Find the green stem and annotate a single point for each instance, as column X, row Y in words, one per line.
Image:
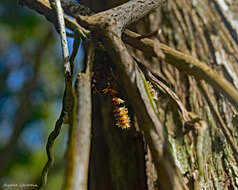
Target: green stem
column 49, row 149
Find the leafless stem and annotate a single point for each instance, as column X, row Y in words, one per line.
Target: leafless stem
column 182, row 108
column 80, row 133
column 61, row 24
column 50, row 151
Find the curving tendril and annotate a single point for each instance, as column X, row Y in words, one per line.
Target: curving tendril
column 63, row 118
column 49, row 149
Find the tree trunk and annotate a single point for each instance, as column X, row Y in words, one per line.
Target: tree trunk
column 119, row 159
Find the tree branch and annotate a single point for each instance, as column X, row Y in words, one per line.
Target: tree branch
column 73, row 8
column 123, row 15
column 180, row 60
column 80, row 132
column 43, row 7
column 132, row 81
column 61, row 24
column 147, row 119
column 185, row 63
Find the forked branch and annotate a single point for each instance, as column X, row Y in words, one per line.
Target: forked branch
column 123, row 15
column 178, row 59
column 132, row 81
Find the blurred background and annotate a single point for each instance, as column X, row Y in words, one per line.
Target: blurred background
column 31, row 89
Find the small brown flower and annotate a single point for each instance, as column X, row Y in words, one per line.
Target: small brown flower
column 120, row 112
column 152, row 91
column 117, row 101
column 110, row 91
column 121, row 116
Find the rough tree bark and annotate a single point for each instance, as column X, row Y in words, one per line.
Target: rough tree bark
column 205, row 148
column 200, row 29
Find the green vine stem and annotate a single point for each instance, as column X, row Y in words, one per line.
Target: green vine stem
column 50, row 151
